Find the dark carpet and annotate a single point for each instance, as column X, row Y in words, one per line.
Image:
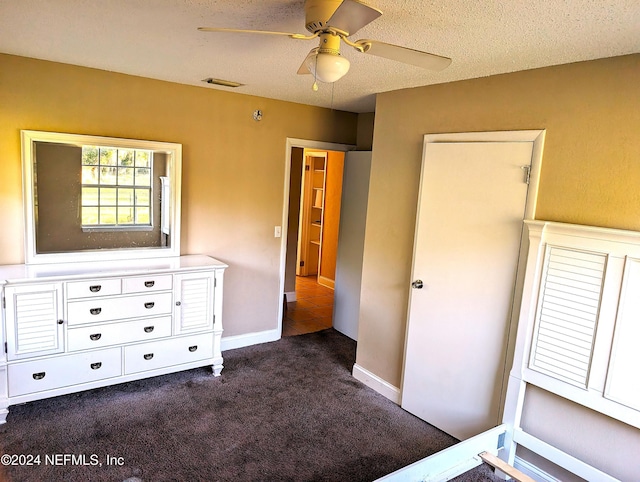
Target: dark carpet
column 283, row 411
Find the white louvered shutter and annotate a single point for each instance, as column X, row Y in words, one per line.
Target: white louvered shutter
column 194, row 302
column 567, row 316
column 33, row 315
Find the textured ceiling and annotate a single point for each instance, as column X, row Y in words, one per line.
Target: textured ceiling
column 158, row 39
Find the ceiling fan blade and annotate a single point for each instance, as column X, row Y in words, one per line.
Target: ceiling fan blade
column 304, row 69
column 351, row 16
column 404, row 54
column 237, row 30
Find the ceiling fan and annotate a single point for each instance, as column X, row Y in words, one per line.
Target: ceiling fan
column 336, row 20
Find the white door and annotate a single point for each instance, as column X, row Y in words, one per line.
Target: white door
column 353, row 219
column 468, row 232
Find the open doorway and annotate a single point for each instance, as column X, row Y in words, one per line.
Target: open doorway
column 319, row 196
column 312, row 309
column 311, row 220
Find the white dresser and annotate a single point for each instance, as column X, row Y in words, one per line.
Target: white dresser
column 76, row 326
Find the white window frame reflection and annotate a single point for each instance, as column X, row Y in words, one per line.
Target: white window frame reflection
column 117, row 188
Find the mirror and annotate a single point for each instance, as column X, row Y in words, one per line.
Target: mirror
column 91, row 198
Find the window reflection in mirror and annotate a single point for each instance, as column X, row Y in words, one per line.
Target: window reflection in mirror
column 117, row 191
column 90, row 195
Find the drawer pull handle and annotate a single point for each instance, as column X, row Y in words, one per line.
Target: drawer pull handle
column 193, row 348
column 95, row 366
column 149, row 305
column 96, row 336
column 148, row 356
column 95, row 311
column 148, row 329
column 149, row 284
column 39, row 375
column 95, row 288
column 60, row 322
column 178, row 303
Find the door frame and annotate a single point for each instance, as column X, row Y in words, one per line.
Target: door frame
column 537, row 138
column 305, row 212
column 304, row 144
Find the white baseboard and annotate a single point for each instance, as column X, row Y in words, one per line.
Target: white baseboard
column 327, row 282
column 532, row 471
column 378, row 384
column 248, row 339
column 290, row 295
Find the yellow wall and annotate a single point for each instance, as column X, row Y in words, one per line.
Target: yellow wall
column 590, row 173
column 233, row 166
column 366, row 122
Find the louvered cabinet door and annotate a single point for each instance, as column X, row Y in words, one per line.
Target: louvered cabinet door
column 34, row 320
column 568, row 309
column 194, row 302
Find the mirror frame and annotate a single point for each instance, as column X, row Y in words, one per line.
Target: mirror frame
column 174, row 163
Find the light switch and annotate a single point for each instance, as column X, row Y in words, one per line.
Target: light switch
column 277, row 232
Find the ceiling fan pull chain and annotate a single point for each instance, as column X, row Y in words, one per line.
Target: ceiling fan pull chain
column 333, row 86
column 314, row 87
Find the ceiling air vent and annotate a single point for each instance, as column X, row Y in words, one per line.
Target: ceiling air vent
column 224, row 83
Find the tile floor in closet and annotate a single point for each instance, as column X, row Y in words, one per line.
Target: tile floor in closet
column 312, row 310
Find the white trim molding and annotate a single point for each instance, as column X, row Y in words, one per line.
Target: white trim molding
column 326, row 282
column 381, row 386
column 248, row 339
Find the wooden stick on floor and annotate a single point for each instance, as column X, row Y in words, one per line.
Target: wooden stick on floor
column 500, row 464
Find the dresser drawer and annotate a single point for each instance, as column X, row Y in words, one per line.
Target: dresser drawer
column 92, row 288
column 175, row 351
column 143, row 284
column 63, row 371
column 118, row 308
column 98, row 336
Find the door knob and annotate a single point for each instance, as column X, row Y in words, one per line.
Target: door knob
column 417, row 284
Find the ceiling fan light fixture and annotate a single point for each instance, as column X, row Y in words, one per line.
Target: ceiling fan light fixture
column 328, row 67
column 333, row 22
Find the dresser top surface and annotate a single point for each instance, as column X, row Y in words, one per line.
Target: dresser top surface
column 23, row 273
